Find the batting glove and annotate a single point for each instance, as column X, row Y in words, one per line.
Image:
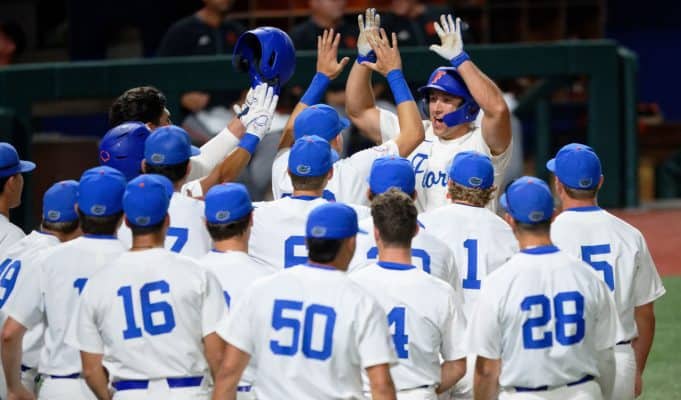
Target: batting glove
column 257, row 117
column 451, row 47
column 371, row 22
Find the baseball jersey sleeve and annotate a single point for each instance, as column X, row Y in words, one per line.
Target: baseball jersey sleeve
column 212, row 153
column 281, row 182
column 236, row 328
column 483, row 334
column 454, row 330
column 26, row 304
column 373, row 336
column 192, row 189
column 82, row 332
column 608, row 329
column 647, row 283
column 213, row 308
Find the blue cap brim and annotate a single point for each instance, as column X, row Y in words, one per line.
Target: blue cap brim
column 26, row 166
column 502, row 202
column 551, row 165
column 334, row 156
column 343, row 122
column 195, row 151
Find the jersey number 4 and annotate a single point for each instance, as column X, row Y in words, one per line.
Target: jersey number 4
column 292, row 322
column 148, row 309
column 569, row 325
column 603, row 266
column 396, row 318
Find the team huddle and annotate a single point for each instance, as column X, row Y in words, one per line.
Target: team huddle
column 389, row 274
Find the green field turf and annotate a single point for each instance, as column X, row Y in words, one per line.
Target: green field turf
column 662, row 377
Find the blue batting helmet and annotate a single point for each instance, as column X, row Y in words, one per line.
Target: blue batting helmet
column 122, row 148
column 446, row 79
column 267, row 54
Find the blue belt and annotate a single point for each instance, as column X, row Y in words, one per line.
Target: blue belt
column 72, row 376
column 189, row 381
column 243, row 388
column 546, row 387
column 25, row 368
column 624, row 342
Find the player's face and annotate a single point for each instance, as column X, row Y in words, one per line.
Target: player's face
column 165, row 118
column 332, row 9
column 439, row 105
column 16, row 187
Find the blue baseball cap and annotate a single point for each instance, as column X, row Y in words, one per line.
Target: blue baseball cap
column 59, row 202
column 169, row 145
column 122, row 147
column 146, row 201
column 310, row 156
column 331, row 221
column 472, row 169
column 528, row 200
column 577, row 166
column 227, row 202
column 10, row 164
column 100, row 191
column 392, row 171
column 321, row 120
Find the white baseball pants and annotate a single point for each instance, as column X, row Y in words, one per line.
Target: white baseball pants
column 585, row 391
column 625, row 372
column 64, row 389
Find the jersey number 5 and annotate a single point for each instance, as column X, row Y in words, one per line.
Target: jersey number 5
column 292, row 322
column 569, row 326
column 608, row 275
column 148, row 309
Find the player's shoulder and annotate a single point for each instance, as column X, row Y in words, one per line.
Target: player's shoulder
column 180, row 201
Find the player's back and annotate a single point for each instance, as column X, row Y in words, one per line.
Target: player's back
column 551, row 317
column 480, row 240
column 424, row 327
column 617, row 252
column 149, row 308
column 311, row 331
column 429, row 253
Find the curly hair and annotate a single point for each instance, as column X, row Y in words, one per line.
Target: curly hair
column 394, row 215
column 144, row 104
column 474, row 196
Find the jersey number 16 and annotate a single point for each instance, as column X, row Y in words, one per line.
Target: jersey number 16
column 148, row 309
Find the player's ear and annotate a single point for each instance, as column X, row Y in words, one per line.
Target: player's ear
column 509, row 220
column 377, row 236
column 369, row 195
column 600, row 182
column 143, row 166
column 166, row 221
column 329, row 174
column 127, row 223
column 417, row 229
column 189, row 169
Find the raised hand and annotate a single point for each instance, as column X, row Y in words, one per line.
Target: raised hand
column 450, row 37
column 387, row 57
column 257, row 117
column 327, row 54
column 370, row 23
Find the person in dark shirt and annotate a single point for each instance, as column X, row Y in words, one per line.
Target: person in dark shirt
column 12, row 41
column 325, row 14
column 412, row 21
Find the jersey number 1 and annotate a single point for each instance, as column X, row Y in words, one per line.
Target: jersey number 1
column 149, row 308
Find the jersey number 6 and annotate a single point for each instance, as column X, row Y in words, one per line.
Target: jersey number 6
column 148, row 310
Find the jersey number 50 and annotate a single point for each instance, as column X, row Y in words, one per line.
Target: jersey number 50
column 149, row 308
column 569, row 326
column 292, row 322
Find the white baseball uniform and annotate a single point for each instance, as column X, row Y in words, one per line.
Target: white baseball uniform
column 428, row 253
column 619, row 254
column 20, row 264
column 236, row 271
column 424, row 328
column 148, row 312
column 212, row 153
column 187, row 233
column 348, row 183
column 9, row 234
column 311, row 331
column 547, row 318
column 278, row 233
column 51, row 296
column 432, row 158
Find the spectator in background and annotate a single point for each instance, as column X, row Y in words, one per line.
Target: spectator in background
column 325, row 14
column 412, row 21
column 12, row 42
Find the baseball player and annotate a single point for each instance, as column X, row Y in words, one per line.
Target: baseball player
column 452, row 98
column 151, row 313
column 11, row 186
column 425, row 329
column 53, row 293
column 348, row 184
column 59, row 224
column 428, row 252
column 278, row 232
column 543, row 326
column 167, row 152
column 229, row 217
column 310, row 330
column 616, row 251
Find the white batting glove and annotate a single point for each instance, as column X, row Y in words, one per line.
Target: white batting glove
column 451, row 47
column 242, row 109
column 371, row 22
column 258, row 115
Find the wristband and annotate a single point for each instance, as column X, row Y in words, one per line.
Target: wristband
column 399, row 87
column 249, row 142
column 370, row 57
column 458, row 60
column 315, row 91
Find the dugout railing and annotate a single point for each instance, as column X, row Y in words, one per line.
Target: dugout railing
column 610, row 71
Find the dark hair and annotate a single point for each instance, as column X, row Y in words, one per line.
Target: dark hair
column 174, row 172
column 323, row 250
column 61, row 227
column 229, row 230
column 144, row 104
column 99, row 225
column 543, row 227
column 394, row 216
column 3, row 181
column 16, row 33
column 145, row 230
column 580, row 194
column 474, row 196
column 308, row 182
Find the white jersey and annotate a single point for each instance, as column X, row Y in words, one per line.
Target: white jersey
column 53, row 295
column 148, row 312
column 428, row 253
column 424, row 328
column 480, row 240
column 236, row 271
column 349, row 181
column 187, row 233
column 311, row 331
column 9, row 234
column 278, row 233
column 432, row 158
column 619, row 254
column 546, row 316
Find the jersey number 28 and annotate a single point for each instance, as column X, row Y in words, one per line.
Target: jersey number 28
column 148, row 309
column 569, row 325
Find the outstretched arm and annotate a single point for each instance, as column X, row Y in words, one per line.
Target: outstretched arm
column 496, row 121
